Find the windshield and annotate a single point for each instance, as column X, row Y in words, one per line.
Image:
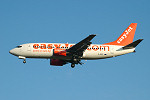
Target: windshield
column 19, row 46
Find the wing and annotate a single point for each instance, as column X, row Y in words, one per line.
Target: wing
column 79, row 48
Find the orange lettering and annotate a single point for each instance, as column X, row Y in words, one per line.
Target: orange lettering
column 66, row 45
column 50, row 46
column 95, row 47
column 57, row 46
column 71, row 46
column 89, row 48
column 36, row 46
column 43, row 46
column 104, row 48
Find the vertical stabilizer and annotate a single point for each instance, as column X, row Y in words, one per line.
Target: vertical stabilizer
column 126, row 37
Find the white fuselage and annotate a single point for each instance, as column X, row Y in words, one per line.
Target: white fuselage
column 45, row 50
column 64, row 53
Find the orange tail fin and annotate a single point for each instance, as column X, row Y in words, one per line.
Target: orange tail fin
column 126, row 37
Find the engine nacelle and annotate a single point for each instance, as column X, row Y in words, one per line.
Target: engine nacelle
column 59, row 52
column 57, row 62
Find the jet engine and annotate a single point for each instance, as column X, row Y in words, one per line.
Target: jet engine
column 57, row 62
column 59, row 52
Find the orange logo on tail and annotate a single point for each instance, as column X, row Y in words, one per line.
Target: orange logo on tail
column 126, row 37
column 125, row 34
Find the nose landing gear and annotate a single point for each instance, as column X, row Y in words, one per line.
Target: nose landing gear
column 24, row 59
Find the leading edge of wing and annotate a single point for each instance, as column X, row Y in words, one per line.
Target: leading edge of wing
column 81, row 44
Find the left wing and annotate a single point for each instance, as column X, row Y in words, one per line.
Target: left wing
column 78, row 49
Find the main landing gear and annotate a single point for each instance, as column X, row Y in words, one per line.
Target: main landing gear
column 76, row 61
column 72, row 65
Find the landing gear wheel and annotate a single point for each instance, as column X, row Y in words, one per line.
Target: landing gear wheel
column 24, row 61
column 72, row 65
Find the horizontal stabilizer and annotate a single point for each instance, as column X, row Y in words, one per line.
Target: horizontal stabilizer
column 131, row 45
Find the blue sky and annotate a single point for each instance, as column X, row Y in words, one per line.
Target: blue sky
column 125, row 77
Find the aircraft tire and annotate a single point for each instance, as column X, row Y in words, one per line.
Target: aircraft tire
column 24, row 61
column 72, row 65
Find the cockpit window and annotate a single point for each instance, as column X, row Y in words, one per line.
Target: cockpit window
column 19, row 46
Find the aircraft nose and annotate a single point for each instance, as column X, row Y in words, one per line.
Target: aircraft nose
column 14, row 51
column 11, row 51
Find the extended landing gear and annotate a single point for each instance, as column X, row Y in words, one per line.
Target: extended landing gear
column 75, row 61
column 72, row 65
column 24, row 61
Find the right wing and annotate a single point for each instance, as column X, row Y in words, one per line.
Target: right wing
column 80, row 47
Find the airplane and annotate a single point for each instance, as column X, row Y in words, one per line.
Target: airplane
column 64, row 53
